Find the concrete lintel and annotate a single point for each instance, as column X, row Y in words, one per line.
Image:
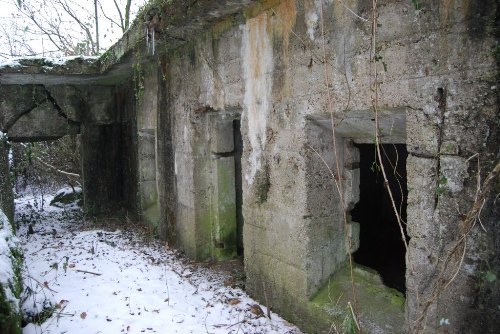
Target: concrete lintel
column 360, row 125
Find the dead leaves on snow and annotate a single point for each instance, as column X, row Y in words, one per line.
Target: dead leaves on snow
column 233, row 301
column 257, row 310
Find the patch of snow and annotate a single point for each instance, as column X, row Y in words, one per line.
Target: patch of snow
column 119, row 281
column 17, row 62
column 13, row 62
column 68, row 191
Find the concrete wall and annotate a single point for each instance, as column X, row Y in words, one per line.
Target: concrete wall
column 436, row 91
column 434, row 63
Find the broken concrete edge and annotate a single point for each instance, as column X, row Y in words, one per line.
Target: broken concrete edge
column 10, row 278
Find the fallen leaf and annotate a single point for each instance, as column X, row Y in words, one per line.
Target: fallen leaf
column 71, row 265
column 233, row 301
column 83, row 315
column 59, row 305
column 257, row 310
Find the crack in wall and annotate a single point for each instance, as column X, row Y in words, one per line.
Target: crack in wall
column 441, row 99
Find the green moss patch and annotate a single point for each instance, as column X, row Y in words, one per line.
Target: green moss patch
column 379, row 308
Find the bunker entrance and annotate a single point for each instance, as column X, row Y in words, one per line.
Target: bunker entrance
column 381, row 245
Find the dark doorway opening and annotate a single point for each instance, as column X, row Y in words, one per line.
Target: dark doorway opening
column 238, row 150
column 381, row 245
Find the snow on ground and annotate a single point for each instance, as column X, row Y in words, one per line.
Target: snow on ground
column 116, row 281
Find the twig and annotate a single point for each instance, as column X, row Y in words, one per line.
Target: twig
column 41, row 284
column 237, row 323
column 166, row 283
column 469, row 222
column 88, row 272
column 354, row 316
column 352, row 12
column 41, row 249
column 267, row 300
column 206, row 325
column 55, row 168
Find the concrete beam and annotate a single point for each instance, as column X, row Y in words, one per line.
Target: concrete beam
column 360, row 125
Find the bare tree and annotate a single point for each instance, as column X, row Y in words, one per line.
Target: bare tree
column 63, row 27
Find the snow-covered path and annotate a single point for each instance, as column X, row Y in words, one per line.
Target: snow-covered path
column 103, row 281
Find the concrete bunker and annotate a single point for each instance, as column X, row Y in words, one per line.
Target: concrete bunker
column 299, row 228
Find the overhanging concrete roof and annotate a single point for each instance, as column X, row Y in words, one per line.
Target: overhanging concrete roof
column 176, row 22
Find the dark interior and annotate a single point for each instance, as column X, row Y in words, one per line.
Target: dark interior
column 381, row 246
column 238, row 149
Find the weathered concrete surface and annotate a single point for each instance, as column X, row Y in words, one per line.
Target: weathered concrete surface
column 147, row 111
column 36, row 112
column 294, row 228
column 44, row 122
column 6, row 192
column 437, row 91
column 17, row 100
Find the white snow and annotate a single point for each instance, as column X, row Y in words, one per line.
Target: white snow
column 68, row 191
column 16, row 62
column 11, row 62
column 119, row 281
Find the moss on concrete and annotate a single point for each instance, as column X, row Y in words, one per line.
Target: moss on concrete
column 11, row 285
column 378, row 306
column 204, row 245
column 225, row 230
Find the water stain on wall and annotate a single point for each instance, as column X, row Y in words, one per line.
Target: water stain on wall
column 257, row 55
